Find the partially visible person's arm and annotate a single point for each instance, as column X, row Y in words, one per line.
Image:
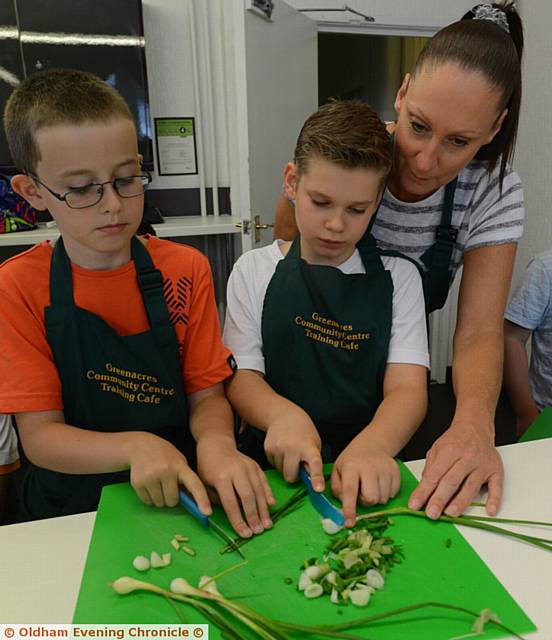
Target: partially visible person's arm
column 464, row 458
column 284, row 220
column 3, row 493
column 516, row 375
column 365, row 469
column 6, row 472
column 9, row 459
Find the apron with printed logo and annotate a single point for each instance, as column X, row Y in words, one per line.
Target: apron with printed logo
column 110, row 383
column 325, row 340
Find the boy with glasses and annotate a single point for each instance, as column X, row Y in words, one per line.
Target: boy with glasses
column 112, row 360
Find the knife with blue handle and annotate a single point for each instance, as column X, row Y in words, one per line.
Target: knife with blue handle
column 319, row 501
column 191, row 507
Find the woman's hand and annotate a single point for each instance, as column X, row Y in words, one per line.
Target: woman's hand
column 459, row 463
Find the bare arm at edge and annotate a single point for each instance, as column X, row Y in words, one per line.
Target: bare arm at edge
column 284, row 220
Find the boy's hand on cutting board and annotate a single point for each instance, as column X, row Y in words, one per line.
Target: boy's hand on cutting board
column 366, row 474
column 157, row 469
column 240, row 484
column 291, row 440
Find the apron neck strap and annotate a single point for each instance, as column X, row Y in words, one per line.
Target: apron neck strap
column 295, row 249
column 150, row 281
column 61, row 279
column 370, row 254
column 366, row 246
column 448, row 203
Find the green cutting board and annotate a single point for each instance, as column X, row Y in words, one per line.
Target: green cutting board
column 541, row 428
column 439, row 565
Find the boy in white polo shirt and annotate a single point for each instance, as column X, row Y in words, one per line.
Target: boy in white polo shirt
column 329, row 336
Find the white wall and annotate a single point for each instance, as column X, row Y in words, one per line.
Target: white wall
column 282, row 91
column 169, row 55
column 170, row 59
column 427, row 13
column 533, row 159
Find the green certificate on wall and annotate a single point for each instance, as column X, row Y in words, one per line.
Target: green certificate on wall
column 176, row 146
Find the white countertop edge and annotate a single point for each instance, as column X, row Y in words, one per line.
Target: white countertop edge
column 41, row 563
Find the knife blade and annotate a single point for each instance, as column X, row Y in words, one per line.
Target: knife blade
column 319, row 501
column 191, row 507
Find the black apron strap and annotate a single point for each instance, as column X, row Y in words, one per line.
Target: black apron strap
column 367, row 247
column 61, row 280
column 370, row 254
column 150, row 282
column 437, row 259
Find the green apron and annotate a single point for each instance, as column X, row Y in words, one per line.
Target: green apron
column 110, row 383
column 438, row 277
column 325, row 341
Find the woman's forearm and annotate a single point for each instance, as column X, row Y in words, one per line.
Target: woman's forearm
column 477, row 377
column 478, row 346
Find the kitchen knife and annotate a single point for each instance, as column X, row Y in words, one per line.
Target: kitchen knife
column 319, row 501
column 191, row 506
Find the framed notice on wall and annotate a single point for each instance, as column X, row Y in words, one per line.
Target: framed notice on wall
column 176, row 146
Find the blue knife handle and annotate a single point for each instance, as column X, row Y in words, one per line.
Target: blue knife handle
column 319, row 501
column 305, row 476
column 191, row 506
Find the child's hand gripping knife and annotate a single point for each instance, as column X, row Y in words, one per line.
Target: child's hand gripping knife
column 292, row 439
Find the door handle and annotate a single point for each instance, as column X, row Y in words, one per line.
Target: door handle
column 257, row 226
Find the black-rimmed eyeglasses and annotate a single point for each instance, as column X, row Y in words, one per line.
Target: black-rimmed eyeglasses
column 90, row 194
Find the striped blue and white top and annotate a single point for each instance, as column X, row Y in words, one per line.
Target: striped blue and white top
column 483, row 216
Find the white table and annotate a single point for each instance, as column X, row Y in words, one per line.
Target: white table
column 41, row 563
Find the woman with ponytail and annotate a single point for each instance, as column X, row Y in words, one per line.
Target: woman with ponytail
column 452, row 200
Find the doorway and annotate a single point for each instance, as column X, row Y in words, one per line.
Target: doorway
column 365, row 67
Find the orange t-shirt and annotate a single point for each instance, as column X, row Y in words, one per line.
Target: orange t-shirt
column 30, row 380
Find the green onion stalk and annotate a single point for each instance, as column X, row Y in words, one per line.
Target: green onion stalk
column 477, row 522
column 290, row 505
column 239, row 622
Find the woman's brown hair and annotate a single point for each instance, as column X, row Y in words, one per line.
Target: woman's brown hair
column 486, row 46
